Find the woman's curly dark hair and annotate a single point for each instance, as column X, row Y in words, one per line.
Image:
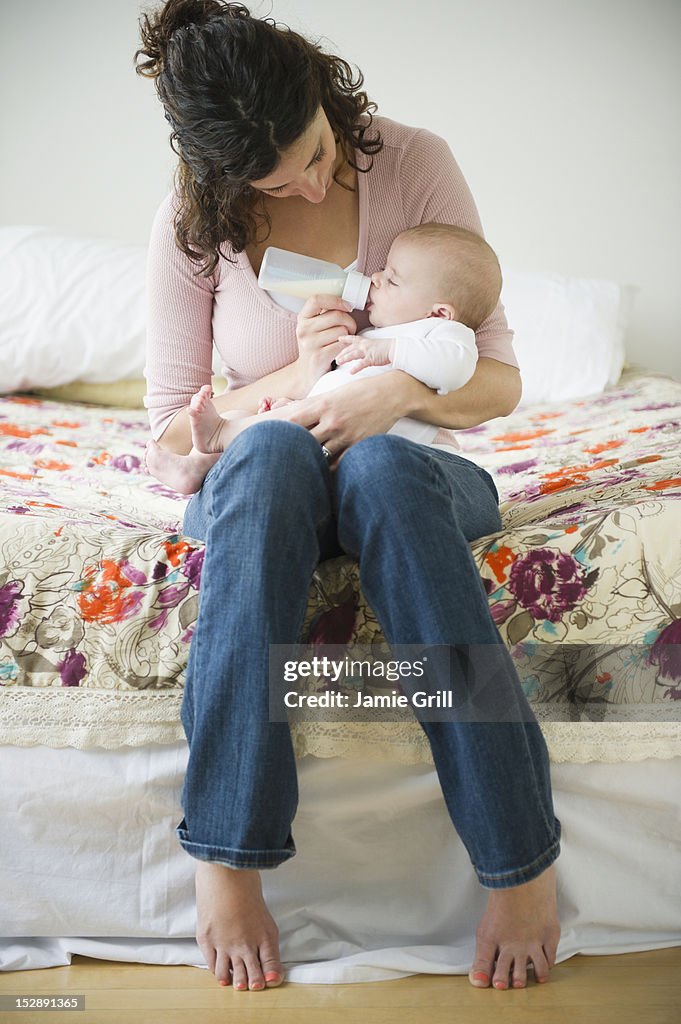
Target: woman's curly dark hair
column 237, row 91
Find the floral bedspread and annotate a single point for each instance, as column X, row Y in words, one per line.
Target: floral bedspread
column 99, row 588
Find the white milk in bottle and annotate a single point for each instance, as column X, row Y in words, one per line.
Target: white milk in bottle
column 289, row 273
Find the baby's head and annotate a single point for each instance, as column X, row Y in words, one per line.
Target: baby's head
column 436, row 270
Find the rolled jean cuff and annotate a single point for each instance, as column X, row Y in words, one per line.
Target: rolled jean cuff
column 509, row 879
column 252, row 859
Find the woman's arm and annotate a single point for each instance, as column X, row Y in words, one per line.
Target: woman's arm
column 341, row 417
column 283, row 383
column 346, row 415
column 494, row 390
column 320, row 322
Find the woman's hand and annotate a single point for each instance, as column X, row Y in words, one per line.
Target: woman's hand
column 340, row 418
column 321, row 321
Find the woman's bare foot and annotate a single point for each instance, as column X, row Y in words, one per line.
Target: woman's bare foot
column 234, row 929
column 519, row 924
column 184, row 473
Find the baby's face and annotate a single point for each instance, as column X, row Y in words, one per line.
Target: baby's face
column 404, row 291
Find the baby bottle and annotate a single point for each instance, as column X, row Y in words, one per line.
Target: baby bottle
column 289, row 273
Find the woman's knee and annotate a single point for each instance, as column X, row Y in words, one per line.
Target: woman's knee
column 380, row 465
column 273, row 451
column 389, row 481
column 273, row 437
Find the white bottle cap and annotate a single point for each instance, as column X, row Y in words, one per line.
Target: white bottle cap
column 356, row 289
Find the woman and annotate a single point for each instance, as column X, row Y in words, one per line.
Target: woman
column 277, row 146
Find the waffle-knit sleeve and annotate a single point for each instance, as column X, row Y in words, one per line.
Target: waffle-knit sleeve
column 179, row 324
column 434, row 189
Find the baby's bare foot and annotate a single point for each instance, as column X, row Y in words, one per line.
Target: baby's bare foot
column 184, row 473
column 519, row 924
column 206, row 422
column 234, row 929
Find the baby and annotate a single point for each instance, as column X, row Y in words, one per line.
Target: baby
column 439, row 284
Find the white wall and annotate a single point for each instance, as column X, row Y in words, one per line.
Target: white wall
column 564, row 115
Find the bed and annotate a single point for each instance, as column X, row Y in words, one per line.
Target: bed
column 98, row 597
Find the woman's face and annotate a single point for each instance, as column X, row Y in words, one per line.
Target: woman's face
column 306, row 167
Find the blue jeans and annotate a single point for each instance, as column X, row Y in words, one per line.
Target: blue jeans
column 269, row 511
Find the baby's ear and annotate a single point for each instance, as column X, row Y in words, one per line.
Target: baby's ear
column 444, row 311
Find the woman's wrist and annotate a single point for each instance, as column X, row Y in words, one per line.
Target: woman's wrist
column 407, row 394
column 300, row 381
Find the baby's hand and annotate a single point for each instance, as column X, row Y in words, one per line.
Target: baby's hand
column 368, row 352
column 273, row 403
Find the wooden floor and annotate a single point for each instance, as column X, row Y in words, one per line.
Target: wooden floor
column 639, row 988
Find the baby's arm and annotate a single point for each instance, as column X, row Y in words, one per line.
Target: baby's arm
column 444, row 359
column 367, row 352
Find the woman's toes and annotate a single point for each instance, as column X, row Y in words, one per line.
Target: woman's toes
column 256, row 980
column 222, row 970
column 540, row 965
column 272, row 966
column 239, row 974
column 480, row 979
column 480, row 973
column 502, row 971
column 210, row 957
column 550, row 949
column 519, row 975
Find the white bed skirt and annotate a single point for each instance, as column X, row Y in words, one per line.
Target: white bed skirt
column 381, row 886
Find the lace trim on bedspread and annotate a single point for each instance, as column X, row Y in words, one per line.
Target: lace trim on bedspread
column 89, row 719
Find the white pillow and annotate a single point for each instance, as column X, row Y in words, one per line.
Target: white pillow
column 569, row 333
column 74, row 308
column 70, row 308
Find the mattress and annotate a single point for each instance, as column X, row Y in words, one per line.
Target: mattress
column 99, row 588
column 362, row 900
column 98, row 600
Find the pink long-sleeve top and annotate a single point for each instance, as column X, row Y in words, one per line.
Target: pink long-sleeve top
column 414, row 179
